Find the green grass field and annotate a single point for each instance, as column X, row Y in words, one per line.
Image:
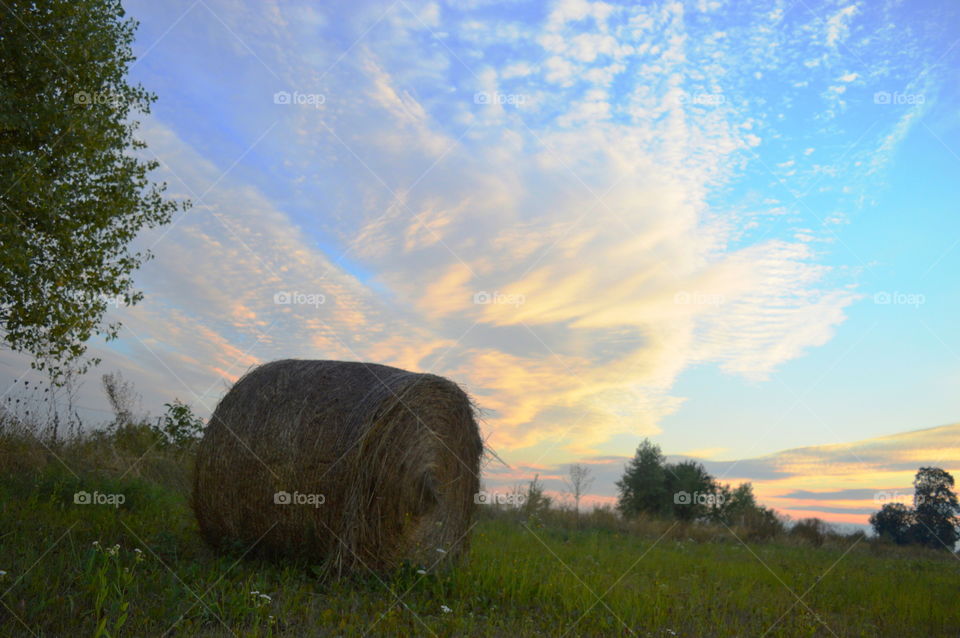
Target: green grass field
column 519, row 579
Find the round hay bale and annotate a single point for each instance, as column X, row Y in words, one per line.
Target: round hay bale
column 345, row 464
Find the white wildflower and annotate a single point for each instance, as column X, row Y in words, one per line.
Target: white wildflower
column 445, row 609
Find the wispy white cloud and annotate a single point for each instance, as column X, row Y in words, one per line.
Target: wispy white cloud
column 838, row 24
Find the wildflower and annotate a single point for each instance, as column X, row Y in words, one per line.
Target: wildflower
column 96, row 544
column 441, row 550
column 265, row 597
column 445, row 609
column 255, row 593
column 421, row 571
column 2, row 573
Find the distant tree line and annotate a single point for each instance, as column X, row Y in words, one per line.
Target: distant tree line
column 654, row 489
column 687, row 492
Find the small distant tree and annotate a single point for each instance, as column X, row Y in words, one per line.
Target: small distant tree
column 894, row 522
column 762, row 523
column 578, row 481
column 691, row 489
column 742, row 498
column 733, row 506
column 738, row 507
column 643, row 486
column 536, row 501
column 935, row 509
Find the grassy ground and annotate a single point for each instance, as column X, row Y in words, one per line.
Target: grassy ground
column 520, row 578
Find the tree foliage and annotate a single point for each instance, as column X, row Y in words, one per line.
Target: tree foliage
column 737, row 504
column 73, row 193
column 933, row 520
column 686, row 491
column 693, row 492
column 894, row 522
column 535, row 502
column 935, row 509
column 643, row 486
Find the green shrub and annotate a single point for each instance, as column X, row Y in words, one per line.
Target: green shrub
column 810, row 530
column 179, row 427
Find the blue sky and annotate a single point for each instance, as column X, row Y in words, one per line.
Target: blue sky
column 729, row 226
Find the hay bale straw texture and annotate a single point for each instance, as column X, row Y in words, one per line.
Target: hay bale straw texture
column 393, row 455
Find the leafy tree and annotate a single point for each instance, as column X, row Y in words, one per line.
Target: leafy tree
column 935, row 509
column 932, row 522
column 742, row 498
column 73, row 195
column 895, row 522
column 738, row 507
column 733, row 505
column 692, row 490
column 761, row 523
column 686, row 491
column 643, row 487
column 536, row 501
